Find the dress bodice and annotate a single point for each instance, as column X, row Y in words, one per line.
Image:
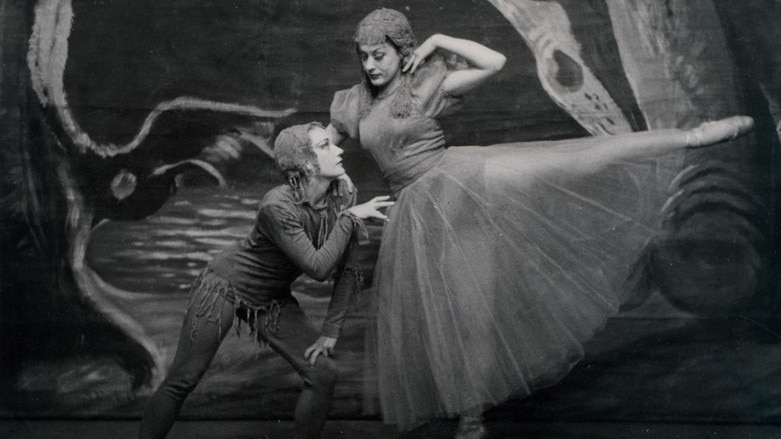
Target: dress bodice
column 404, row 148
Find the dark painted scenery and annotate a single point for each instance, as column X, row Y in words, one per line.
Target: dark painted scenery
column 135, row 142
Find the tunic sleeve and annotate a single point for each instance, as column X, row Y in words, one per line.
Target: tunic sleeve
column 427, row 90
column 345, row 113
column 281, row 225
column 347, row 283
column 348, row 280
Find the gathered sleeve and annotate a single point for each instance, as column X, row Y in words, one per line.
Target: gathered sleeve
column 281, row 225
column 345, row 111
column 427, row 90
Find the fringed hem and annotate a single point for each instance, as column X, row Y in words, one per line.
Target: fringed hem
column 207, row 296
column 270, row 324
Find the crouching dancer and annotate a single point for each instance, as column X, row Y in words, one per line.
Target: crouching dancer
column 300, row 227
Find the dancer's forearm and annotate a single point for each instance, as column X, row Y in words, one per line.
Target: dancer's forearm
column 476, row 54
column 484, row 62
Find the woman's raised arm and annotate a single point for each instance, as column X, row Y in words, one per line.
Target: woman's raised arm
column 484, row 62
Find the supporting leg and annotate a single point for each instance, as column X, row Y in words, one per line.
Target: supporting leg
column 470, row 424
column 194, row 353
column 293, row 335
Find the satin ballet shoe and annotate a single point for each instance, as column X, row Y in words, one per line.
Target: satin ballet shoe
column 717, row 131
column 470, row 427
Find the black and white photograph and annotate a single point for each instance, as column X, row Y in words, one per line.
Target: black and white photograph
column 468, row 219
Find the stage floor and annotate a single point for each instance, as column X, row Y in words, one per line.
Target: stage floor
column 90, row 429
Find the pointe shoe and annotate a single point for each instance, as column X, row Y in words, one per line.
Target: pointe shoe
column 717, row 131
column 470, row 427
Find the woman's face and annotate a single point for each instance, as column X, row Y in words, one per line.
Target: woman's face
column 329, row 156
column 380, row 62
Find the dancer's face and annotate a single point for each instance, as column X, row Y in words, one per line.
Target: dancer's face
column 329, row 156
column 380, row 62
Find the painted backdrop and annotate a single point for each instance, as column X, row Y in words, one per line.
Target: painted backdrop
column 135, row 145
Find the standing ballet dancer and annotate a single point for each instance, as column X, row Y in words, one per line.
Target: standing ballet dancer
column 496, row 264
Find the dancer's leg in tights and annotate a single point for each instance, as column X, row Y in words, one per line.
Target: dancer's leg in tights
column 591, row 154
column 193, row 356
column 291, row 337
column 293, row 333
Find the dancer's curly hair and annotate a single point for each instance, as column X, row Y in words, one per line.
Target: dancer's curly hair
column 295, row 155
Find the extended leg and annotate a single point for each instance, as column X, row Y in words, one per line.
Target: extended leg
column 590, row 154
column 194, row 353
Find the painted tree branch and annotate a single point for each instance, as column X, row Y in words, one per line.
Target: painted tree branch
column 47, row 59
column 669, row 51
column 546, row 29
column 126, row 195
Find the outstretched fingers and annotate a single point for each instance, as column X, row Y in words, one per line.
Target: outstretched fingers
column 380, row 202
column 370, row 209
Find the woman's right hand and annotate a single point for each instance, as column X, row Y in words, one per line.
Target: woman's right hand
column 370, row 209
column 420, row 54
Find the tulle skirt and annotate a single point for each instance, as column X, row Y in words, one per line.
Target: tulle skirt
column 496, row 266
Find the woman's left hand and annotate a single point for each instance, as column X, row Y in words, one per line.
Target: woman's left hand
column 420, row 54
column 324, row 345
